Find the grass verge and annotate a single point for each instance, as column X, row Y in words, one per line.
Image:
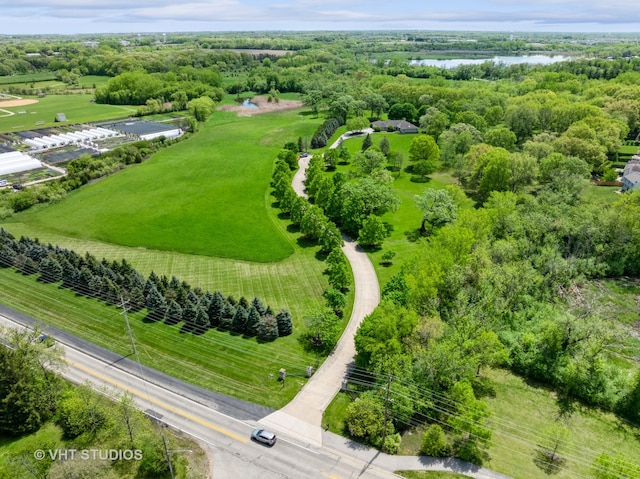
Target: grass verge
column 519, row 430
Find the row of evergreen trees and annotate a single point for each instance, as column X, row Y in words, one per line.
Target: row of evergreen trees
column 324, row 132
column 166, row 299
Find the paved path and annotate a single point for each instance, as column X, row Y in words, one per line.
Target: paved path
column 302, row 417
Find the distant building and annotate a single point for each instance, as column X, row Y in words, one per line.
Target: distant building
column 631, row 174
column 13, row 161
column 403, row 126
column 147, row 130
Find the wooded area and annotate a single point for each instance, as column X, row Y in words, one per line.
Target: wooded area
column 506, row 283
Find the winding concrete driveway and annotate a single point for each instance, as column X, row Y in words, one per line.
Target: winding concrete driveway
column 302, row 417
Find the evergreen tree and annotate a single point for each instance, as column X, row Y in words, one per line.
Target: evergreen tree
column 252, row 326
column 136, row 299
column 201, row 321
column 155, row 303
column 189, row 314
column 268, row 329
column 243, row 302
column 256, row 303
column 216, row 309
column 6, row 257
column 50, row 270
column 239, row 319
column 151, row 281
column 385, row 147
column 367, row 142
column 174, row 313
column 192, row 297
column 226, row 321
column 284, row 322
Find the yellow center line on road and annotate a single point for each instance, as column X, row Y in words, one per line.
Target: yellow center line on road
column 158, row 403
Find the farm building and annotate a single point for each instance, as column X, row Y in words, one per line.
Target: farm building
column 147, row 130
column 15, row 161
column 402, row 126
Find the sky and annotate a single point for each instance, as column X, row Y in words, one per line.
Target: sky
column 126, row 16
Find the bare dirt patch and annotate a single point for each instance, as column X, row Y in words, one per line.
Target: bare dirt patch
column 10, row 103
column 263, row 106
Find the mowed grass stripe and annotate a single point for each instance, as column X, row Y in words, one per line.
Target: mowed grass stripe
column 295, row 283
column 216, row 360
column 204, row 196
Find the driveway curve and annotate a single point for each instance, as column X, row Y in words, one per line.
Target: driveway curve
column 301, row 418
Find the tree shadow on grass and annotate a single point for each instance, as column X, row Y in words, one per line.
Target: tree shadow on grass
column 413, row 235
column 321, row 255
column 419, row 179
column 483, row 387
column 152, row 317
column 370, row 248
column 305, row 242
column 291, row 228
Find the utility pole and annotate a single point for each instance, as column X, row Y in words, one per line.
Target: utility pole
column 386, row 412
column 126, row 320
column 166, row 451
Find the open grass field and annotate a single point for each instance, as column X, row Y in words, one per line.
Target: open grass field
column 406, row 221
column 517, row 431
column 27, row 78
column 77, row 108
column 216, row 360
column 205, row 196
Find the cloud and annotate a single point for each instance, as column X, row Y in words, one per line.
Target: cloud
column 64, row 16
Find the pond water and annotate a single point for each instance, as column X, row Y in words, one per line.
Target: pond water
column 247, row 102
column 504, row 60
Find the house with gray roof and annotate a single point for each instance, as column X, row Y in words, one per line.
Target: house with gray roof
column 631, row 174
column 402, row 126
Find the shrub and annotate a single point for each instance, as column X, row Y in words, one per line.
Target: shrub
column 434, row 442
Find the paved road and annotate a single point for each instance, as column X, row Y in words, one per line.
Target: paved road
column 224, row 430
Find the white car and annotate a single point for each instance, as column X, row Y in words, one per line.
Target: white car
column 264, row 436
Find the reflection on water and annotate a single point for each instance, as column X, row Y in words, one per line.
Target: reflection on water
column 248, row 104
column 498, row 60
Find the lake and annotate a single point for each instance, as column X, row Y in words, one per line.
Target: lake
column 504, row 60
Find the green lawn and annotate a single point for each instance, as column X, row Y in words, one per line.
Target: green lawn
column 214, row 202
column 216, row 360
column 27, row 78
column 430, row 475
column 406, row 221
column 517, row 431
column 77, row 109
column 602, row 195
column 205, row 196
column 91, row 81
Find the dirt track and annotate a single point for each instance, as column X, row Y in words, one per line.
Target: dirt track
column 263, row 106
column 10, row 103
